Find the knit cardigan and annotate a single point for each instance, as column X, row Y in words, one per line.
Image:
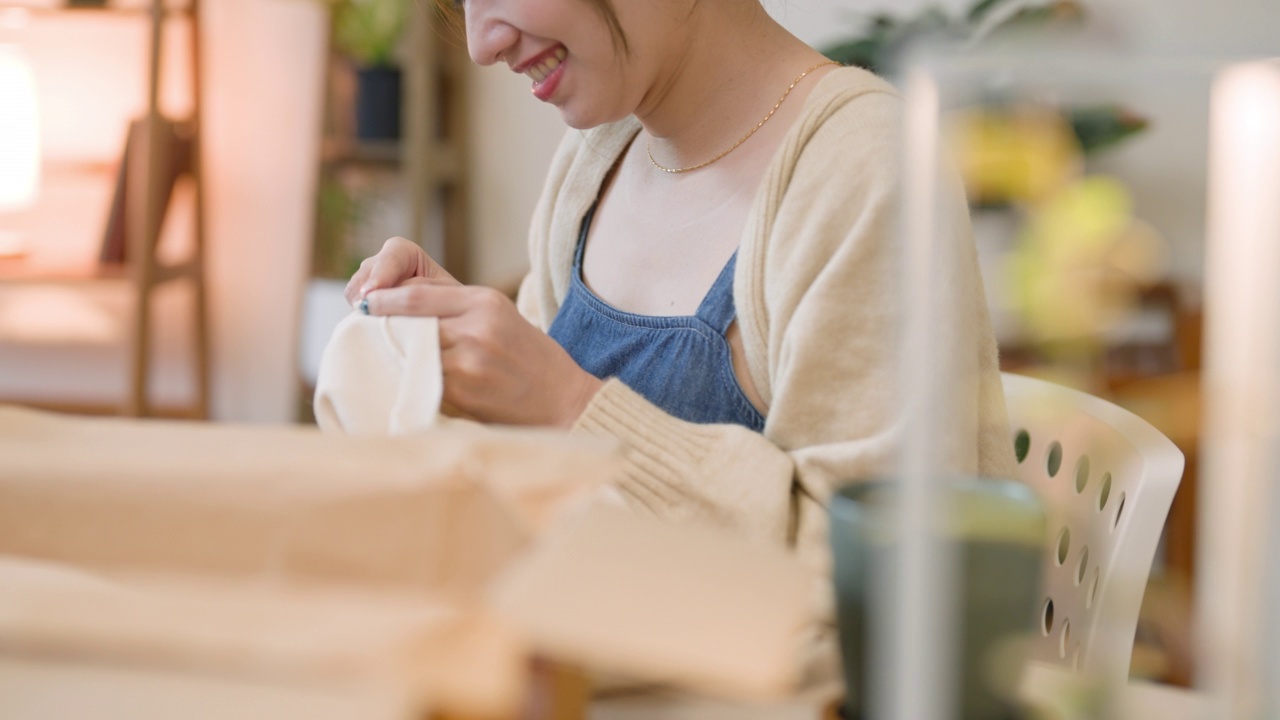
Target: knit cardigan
column 816, row 289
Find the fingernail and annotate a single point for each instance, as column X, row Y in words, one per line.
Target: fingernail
column 364, row 289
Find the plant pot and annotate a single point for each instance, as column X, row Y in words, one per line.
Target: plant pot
column 378, row 103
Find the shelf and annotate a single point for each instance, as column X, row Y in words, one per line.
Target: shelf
column 81, row 207
column 445, row 169
column 414, row 187
column 62, row 232
column 20, row 271
column 132, row 7
column 337, row 151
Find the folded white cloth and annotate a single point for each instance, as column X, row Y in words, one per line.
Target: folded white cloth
column 380, row 376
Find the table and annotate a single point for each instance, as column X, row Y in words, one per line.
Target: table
column 1060, row 693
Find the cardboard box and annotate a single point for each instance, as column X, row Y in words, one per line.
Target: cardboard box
column 340, row 573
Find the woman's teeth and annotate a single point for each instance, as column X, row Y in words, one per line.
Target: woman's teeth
column 540, row 71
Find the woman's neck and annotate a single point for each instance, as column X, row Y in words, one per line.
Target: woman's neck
column 719, row 89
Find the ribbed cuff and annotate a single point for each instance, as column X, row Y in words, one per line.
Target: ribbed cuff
column 663, row 452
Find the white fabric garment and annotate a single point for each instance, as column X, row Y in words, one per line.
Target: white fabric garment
column 380, row 376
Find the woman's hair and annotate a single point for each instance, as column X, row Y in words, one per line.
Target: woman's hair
column 452, row 9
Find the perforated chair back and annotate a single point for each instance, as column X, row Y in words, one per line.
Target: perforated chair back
column 1107, row 478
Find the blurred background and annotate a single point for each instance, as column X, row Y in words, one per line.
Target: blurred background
column 303, row 133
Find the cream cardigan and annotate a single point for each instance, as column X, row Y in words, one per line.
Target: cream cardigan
column 815, row 289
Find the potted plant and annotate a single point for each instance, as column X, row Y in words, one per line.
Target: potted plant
column 368, row 34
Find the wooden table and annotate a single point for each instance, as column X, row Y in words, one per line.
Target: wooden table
column 1060, row 694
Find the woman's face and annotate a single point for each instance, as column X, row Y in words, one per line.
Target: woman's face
column 571, row 58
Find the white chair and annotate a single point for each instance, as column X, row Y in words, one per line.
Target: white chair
column 1107, row 478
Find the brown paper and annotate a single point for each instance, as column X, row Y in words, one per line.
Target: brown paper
column 436, row 512
column 288, row 556
column 444, row 655
column 658, row 602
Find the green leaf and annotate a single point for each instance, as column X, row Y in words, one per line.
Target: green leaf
column 980, row 10
column 368, row 31
column 1102, row 126
column 862, row 53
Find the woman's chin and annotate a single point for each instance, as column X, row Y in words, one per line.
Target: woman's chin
column 580, row 118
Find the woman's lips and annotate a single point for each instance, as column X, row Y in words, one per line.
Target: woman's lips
column 545, row 88
column 545, row 71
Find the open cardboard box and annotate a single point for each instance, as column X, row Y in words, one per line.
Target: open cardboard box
column 243, row 571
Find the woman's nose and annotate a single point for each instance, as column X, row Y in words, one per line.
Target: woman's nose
column 489, row 38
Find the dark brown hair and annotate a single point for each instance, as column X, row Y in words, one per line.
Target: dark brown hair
column 452, row 10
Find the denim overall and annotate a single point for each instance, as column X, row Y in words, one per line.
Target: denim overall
column 681, row 364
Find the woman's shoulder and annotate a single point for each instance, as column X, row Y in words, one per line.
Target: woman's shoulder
column 852, row 101
column 834, row 177
column 851, row 119
column 849, row 82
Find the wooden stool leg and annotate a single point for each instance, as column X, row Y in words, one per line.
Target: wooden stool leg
column 555, row 692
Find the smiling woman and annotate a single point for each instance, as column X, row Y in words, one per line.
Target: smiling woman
column 713, row 274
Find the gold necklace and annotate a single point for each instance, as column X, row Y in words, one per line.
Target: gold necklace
column 649, row 148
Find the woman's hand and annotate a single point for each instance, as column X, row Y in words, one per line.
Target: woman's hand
column 398, row 260
column 497, row 367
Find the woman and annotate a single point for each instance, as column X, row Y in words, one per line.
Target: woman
column 712, row 272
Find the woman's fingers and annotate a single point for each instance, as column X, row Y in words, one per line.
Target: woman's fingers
column 442, row 279
column 352, row 291
column 423, row 298
column 386, row 269
column 398, row 261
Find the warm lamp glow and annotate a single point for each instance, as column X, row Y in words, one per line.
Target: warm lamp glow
column 19, row 140
column 19, row 131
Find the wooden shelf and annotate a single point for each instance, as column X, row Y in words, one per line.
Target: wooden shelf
column 427, row 162
column 160, row 155
column 18, row 270
column 338, row 151
column 116, row 8
column 446, row 168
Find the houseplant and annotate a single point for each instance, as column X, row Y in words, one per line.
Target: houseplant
column 368, row 34
column 884, row 37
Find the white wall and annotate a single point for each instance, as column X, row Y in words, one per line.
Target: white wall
column 1222, row 27
column 512, row 139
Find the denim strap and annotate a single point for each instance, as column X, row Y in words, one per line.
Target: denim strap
column 717, row 308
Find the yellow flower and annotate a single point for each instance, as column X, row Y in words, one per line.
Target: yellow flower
column 1012, row 154
column 1081, row 260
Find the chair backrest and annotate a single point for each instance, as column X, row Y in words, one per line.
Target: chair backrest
column 1107, row 478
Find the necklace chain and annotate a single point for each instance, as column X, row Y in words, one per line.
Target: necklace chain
column 648, row 148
